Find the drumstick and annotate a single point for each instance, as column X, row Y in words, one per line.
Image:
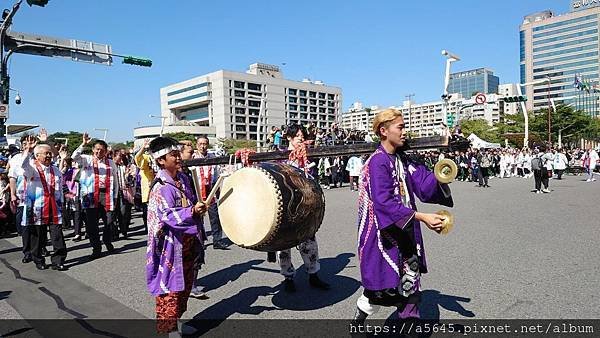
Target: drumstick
column 214, row 189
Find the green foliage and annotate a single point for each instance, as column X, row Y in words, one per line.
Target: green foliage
column 122, row 145
column 481, row 128
column 232, row 145
column 181, row 136
column 74, row 139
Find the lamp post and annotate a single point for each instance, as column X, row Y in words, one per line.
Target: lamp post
column 524, row 108
column 162, row 122
column 446, row 97
column 409, row 98
column 105, row 132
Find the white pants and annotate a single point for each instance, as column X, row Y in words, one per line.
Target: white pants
column 309, row 251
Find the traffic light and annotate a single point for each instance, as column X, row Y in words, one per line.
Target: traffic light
column 511, row 99
column 130, row 60
column 40, row 3
column 450, row 120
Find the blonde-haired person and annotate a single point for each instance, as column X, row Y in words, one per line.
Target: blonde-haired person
column 390, row 243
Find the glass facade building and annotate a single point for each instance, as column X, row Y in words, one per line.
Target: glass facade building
column 471, row 82
column 557, row 49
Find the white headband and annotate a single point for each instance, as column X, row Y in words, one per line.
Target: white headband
column 165, row 151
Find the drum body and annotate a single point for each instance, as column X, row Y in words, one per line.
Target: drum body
column 270, row 207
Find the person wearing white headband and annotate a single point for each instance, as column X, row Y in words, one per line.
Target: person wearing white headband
column 174, row 242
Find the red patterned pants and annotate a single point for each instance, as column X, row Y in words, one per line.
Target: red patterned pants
column 171, row 306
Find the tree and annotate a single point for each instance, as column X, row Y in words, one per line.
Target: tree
column 74, row 139
column 481, row 128
column 181, row 136
column 232, row 145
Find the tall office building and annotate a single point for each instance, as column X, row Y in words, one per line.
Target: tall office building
column 471, row 82
column 227, row 104
column 556, row 49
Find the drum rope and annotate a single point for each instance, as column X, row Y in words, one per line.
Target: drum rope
column 244, row 155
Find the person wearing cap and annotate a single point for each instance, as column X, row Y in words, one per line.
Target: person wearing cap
column 98, row 186
column 144, row 162
column 174, row 242
column 390, row 242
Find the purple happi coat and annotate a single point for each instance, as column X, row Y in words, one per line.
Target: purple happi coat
column 381, row 207
column 168, row 221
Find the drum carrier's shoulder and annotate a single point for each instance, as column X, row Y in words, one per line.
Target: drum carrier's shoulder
column 155, row 181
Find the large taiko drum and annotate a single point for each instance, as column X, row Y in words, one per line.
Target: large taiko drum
column 270, row 207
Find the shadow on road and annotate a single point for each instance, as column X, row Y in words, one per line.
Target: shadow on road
column 304, row 299
column 220, row 278
column 4, row 294
column 308, row 298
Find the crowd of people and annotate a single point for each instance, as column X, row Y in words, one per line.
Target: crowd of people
column 45, row 189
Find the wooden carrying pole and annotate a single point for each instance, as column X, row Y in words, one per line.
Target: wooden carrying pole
column 341, row 150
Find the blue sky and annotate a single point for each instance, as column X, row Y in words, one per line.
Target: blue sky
column 376, row 51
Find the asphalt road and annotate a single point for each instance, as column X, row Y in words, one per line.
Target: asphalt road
column 511, row 254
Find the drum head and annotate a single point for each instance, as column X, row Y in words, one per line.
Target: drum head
column 248, row 206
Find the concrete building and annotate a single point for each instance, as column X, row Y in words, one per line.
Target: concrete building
column 227, row 104
column 359, row 117
column 558, row 47
column 471, row 82
column 425, row 119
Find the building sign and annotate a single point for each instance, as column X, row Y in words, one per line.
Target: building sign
column 578, row 5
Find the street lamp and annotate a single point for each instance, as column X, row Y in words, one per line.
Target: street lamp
column 162, row 122
column 259, row 124
column 105, row 131
column 524, row 108
column 446, row 97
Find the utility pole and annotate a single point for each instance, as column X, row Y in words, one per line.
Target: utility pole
column 76, row 50
column 549, row 112
column 409, row 98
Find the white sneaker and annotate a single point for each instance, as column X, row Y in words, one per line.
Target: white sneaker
column 538, row 192
column 545, row 191
column 588, row 180
column 198, row 293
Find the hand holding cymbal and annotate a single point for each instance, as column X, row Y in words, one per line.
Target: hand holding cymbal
column 447, row 223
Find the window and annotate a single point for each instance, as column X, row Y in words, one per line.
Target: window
column 239, row 84
column 566, row 29
column 302, row 108
column 564, row 37
column 240, row 119
column 293, row 100
column 240, row 128
column 187, row 89
column 293, row 107
column 313, row 102
column 239, row 102
column 253, row 86
column 566, row 22
column 566, row 58
column 331, row 96
column 303, row 93
column 239, row 93
column 321, row 102
column 312, row 94
column 302, row 101
column 240, row 111
column 253, row 103
column 292, row 91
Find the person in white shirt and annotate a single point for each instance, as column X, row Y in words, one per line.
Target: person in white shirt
column 17, row 197
column 354, row 168
column 98, row 190
column 592, row 159
column 560, row 163
column 43, row 204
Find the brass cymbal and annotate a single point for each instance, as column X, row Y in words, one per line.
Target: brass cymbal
column 448, row 221
column 445, row 170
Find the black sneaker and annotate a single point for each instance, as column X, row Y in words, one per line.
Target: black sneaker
column 314, row 281
column 288, row 285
